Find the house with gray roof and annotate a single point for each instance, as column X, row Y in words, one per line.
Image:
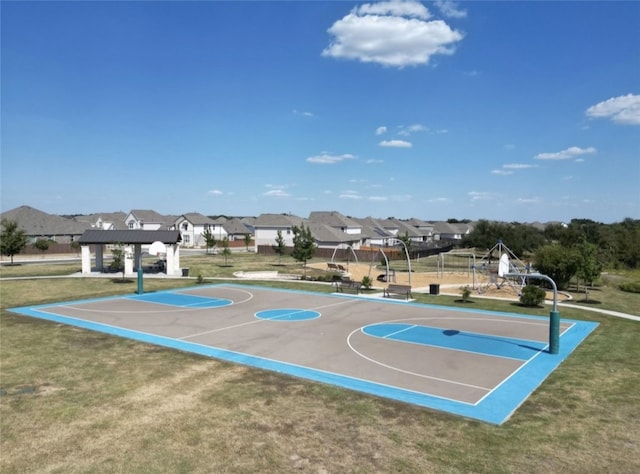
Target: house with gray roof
column 148, row 220
column 191, row 226
column 37, row 225
column 374, row 232
column 267, row 226
column 451, row 231
column 104, row 220
column 235, row 228
column 337, row 221
column 425, row 228
column 404, row 229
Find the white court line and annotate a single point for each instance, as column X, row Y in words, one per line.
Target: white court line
column 523, row 365
column 390, row 367
column 400, row 331
column 261, row 320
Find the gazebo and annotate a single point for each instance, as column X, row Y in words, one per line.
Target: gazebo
column 132, row 240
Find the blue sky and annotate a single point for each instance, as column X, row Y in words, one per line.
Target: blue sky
column 515, row 111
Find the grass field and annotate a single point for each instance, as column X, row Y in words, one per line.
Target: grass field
column 78, row 401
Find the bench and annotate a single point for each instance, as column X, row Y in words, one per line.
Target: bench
column 336, row 267
column 348, row 286
column 397, row 290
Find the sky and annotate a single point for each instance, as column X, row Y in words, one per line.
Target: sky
column 517, row 111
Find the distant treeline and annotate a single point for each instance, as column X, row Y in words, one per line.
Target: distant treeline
column 618, row 244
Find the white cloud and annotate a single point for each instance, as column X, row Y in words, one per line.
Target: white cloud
column 518, row 166
column 439, row 200
column 276, row 191
column 395, row 143
column 381, row 130
column 329, row 159
column 406, row 131
column 509, row 168
column 350, row 195
column 624, row 109
column 372, row 161
column 482, row 196
column 303, row 114
column 571, row 152
column 377, row 198
column 215, row 192
column 450, row 9
column 531, row 200
column 394, row 33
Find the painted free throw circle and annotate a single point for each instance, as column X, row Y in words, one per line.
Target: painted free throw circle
column 287, row 314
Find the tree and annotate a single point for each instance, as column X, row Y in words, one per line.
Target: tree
column 75, row 245
column 209, row 239
column 42, row 245
column 247, row 241
column 117, row 264
column 406, row 240
column 280, row 248
column 304, row 245
column 226, row 251
column 557, row 262
column 588, row 266
column 12, row 239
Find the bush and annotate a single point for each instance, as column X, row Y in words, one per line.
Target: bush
column 465, row 292
column 366, row 282
column 532, row 295
column 631, row 286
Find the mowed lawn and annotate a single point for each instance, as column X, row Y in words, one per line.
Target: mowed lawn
column 79, row 401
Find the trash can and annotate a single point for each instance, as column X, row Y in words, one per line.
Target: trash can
column 434, row 289
column 185, row 272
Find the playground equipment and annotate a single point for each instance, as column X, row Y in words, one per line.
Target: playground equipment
column 496, row 264
column 390, row 275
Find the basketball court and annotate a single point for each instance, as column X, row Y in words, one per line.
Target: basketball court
column 477, row 364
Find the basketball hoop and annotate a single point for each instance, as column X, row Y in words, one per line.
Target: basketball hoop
column 157, row 248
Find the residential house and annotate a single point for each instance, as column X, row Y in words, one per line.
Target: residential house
column 425, row 228
column 234, row 228
column 453, row 232
column 267, row 226
column 402, row 229
column 104, row 221
column 374, row 233
column 192, row 225
column 148, row 220
column 37, row 225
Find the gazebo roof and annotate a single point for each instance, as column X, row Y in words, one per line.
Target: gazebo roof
column 93, row 236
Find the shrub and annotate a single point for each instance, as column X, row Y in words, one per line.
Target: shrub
column 465, row 292
column 366, row 282
column 631, row 286
column 532, row 295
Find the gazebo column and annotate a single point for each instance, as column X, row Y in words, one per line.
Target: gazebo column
column 173, row 260
column 128, row 260
column 99, row 257
column 86, row 259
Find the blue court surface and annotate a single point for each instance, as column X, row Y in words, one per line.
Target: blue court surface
column 477, row 364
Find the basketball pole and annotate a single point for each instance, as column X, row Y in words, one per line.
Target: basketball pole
column 554, row 316
column 140, row 273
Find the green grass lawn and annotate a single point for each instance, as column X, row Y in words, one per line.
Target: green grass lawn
column 72, row 400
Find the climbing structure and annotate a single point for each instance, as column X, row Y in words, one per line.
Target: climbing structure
column 496, row 264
